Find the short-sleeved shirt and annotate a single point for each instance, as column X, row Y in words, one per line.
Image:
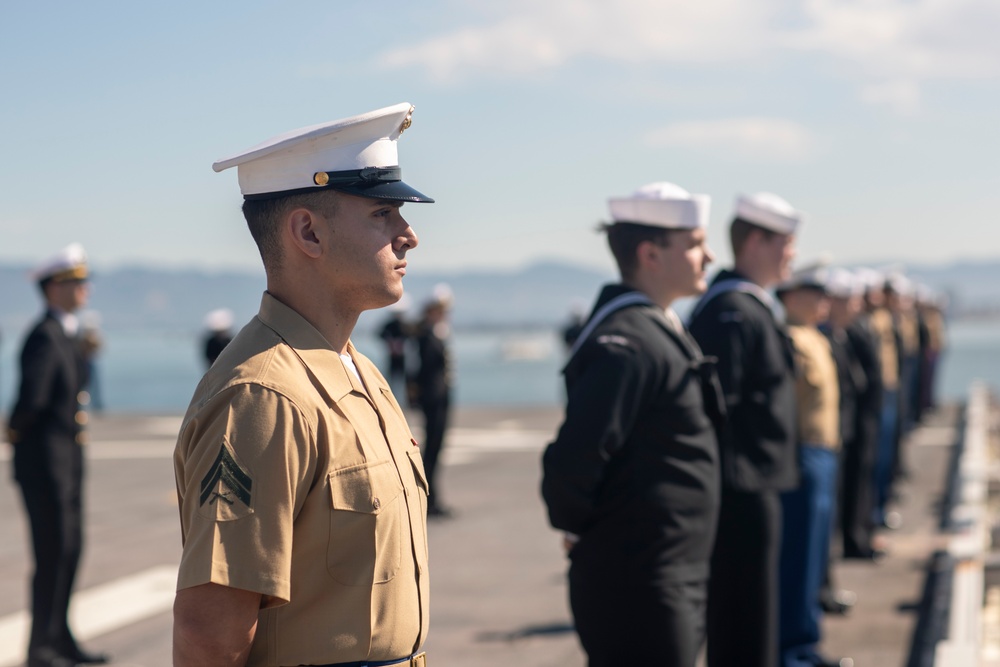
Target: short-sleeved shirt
column 300, row 481
column 817, row 391
column 881, row 324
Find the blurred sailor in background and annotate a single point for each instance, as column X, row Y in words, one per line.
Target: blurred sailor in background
column 807, row 510
column 218, row 334
column 47, row 430
column 735, row 322
column 632, row 476
column 431, row 387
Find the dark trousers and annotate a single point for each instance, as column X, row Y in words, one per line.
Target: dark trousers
column 55, row 515
column 625, row 617
column 807, row 514
column 885, row 459
column 435, row 423
column 856, row 498
column 743, row 588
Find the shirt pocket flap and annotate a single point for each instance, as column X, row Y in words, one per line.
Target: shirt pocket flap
column 365, row 488
column 417, row 461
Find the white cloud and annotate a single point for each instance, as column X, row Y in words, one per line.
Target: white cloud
column 759, row 139
column 533, row 36
column 900, row 96
column 903, row 42
column 918, row 39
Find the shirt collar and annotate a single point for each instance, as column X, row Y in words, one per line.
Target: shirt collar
column 313, row 349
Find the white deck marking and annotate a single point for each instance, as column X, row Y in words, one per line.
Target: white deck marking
column 99, row 610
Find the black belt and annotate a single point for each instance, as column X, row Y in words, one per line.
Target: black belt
column 418, row 660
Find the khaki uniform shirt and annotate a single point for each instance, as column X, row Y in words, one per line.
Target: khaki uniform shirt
column 935, row 330
column 881, row 323
column 302, row 483
column 909, row 331
column 817, row 390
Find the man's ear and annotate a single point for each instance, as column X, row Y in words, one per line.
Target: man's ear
column 646, row 252
column 303, row 228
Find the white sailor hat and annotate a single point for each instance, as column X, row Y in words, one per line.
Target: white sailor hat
column 70, row 263
column 843, row 284
column 768, row 211
column 897, row 282
column 813, row 276
column 356, row 155
column 661, row 204
column 870, row 279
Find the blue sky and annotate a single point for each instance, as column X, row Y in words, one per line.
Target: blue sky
column 878, row 118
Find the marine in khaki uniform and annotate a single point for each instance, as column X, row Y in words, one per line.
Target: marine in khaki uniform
column 808, row 510
column 302, row 493
column 880, row 321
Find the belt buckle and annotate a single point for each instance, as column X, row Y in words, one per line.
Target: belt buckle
column 419, row 660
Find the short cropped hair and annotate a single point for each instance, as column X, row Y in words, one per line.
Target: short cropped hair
column 264, row 216
column 740, row 230
column 624, row 239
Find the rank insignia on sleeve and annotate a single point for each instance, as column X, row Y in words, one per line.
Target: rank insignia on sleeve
column 226, row 489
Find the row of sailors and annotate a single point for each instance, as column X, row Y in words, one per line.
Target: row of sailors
column 696, row 470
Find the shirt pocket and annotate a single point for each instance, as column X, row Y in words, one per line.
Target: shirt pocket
column 366, row 531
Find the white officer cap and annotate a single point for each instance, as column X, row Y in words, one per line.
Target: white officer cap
column 768, row 211
column 441, row 295
column 356, row 155
column 812, row 276
column 661, row 204
column 70, row 263
column 843, row 284
column 220, row 319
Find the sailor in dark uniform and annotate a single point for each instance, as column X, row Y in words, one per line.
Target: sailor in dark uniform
column 735, row 323
column 856, row 348
column 632, row 477
column 46, row 429
column 432, row 389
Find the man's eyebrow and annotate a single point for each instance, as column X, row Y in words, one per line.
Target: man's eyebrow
column 378, row 203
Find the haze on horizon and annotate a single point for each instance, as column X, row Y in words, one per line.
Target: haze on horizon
column 877, row 118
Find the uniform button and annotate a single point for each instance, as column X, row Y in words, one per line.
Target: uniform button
column 81, row 439
column 81, row 418
column 83, row 398
column 376, row 504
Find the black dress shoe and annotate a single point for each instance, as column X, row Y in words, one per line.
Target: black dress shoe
column 79, row 656
column 821, row 661
column 47, row 657
column 840, row 602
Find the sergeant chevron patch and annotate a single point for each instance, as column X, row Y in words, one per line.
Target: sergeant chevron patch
column 226, row 489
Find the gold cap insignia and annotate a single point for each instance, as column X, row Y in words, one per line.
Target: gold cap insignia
column 408, row 121
column 321, row 178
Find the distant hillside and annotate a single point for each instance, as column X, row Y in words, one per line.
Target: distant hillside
column 539, row 295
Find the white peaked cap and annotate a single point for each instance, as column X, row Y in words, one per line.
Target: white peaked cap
column 220, row 319
column 662, row 204
column 768, row 211
column 441, row 294
column 844, row 284
column 70, row 263
column 330, row 155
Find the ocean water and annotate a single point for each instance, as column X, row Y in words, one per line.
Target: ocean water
column 157, row 372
